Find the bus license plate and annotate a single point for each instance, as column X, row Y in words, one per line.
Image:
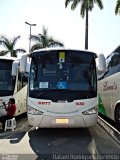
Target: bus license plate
column 62, row 121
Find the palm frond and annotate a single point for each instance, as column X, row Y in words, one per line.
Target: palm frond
column 35, row 38
column 3, row 52
column 99, row 3
column 14, row 40
column 1, row 42
column 90, row 5
column 54, row 43
column 9, row 45
column 75, row 4
column 20, row 50
column 4, row 39
column 36, row 46
column 5, row 42
column 117, row 8
column 67, row 2
column 43, row 40
column 13, row 53
column 83, row 9
column 44, row 31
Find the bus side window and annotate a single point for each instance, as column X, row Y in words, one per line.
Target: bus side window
column 22, row 81
column 112, row 71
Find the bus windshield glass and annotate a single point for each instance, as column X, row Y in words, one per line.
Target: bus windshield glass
column 69, row 74
column 7, row 82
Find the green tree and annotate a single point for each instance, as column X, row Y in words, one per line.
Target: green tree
column 44, row 40
column 86, row 6
column 117, row 7
column 9, row 45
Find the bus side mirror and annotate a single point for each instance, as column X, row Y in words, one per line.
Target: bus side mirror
column 102, row 64
column 15, row 66
column 23, row 63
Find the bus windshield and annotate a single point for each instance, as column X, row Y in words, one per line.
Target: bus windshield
column 72, row 77
column 7, row 82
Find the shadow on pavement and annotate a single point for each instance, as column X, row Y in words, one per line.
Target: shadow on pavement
column 51, row 143
column 16, row 138
column 21, row 128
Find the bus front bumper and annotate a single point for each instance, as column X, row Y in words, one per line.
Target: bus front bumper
column 78, row 121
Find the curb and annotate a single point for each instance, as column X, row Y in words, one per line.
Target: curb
column 114, row 133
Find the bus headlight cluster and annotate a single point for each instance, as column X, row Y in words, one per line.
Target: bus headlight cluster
column 93, row 110
column 34, row 111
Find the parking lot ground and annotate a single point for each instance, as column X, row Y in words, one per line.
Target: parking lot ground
column 21, row 125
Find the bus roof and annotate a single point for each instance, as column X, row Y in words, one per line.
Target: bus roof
column 117, row 50
column 63, row 49
column 8, row 58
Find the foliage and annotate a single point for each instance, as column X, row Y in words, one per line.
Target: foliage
column 86, row 6
column 9, row 45
column 117, row 8
column 44, row 40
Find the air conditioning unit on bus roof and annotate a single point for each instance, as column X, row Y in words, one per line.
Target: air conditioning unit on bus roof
column 102, row 64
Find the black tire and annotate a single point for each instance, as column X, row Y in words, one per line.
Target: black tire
column 117, row 117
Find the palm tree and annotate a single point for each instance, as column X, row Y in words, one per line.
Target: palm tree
column 86, row 6
column 44, row 40
column 117, row 8
column 9, row 45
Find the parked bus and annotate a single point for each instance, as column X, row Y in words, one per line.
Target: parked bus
column 109, row 88
column 12, row 85
column 62, row 90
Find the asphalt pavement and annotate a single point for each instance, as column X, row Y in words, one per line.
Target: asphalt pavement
column 21, row 125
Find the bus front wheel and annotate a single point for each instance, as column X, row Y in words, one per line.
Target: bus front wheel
column 117, row 117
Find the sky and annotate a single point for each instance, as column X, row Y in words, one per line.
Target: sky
column 62, row 23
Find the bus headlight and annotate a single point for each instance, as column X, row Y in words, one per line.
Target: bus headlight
column 34, row 111
column 93, row 110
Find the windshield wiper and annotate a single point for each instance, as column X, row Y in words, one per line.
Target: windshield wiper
column 55, row 90
column 46, row 91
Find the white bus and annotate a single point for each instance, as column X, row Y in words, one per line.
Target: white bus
column 12, row 85
column 62, row 89
column 109, row 88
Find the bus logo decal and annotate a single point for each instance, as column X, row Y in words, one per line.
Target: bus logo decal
column 107, row 87
column 44, row 103
column 80, row 103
